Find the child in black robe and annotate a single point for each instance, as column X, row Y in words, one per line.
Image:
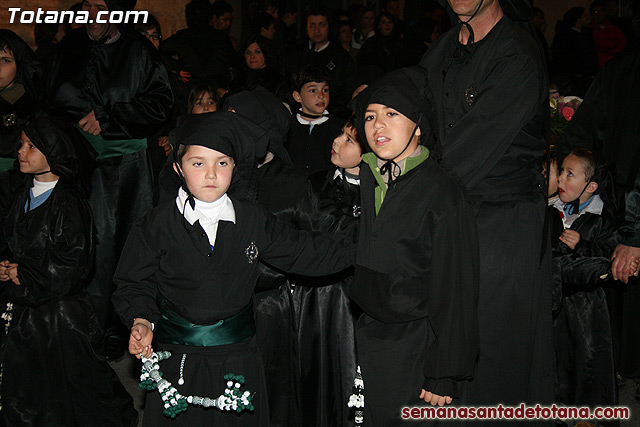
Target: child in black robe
column 583, row 229
column 51, row 373
column 416, row 272
column 189, row 270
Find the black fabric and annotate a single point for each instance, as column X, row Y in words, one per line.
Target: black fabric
column 266, row 110
column 267, row 77
column 311, row 152
column 380, row 51
column 124, row 82
column 67, row 152
column 408, row 278
column 51, row 372
column 202, row 51
column 490, row 107
column 582, row 335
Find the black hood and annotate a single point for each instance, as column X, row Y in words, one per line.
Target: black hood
column 267, row 111
column 228, row 133
column 68, row 152
column 405, row 90
column 27, row 68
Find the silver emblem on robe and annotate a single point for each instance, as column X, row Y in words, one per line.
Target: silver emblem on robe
column 9, row 119
column 331, row 65
column 251, row 252
column 470, row 95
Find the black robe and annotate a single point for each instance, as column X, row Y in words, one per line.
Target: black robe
column 490, row 103
column 311, row 152
column 51, row 372
column 581, row 327
column 166, row 257
column 416, row 282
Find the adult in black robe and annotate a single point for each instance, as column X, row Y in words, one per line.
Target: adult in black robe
column 118, row 88
column 52, row 374
column 490, row 94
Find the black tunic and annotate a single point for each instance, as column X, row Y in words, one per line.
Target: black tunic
column 416, row 281
column 490, row 107
column 51, row 373
column 166, row 257
column 311, row 152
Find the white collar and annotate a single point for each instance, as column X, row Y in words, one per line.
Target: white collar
column 207, row 213
column 41, row 187
column 302, row 120
column 326, row 45
column 595, row 207
column 349, row 179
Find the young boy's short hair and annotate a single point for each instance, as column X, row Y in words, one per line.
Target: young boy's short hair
column 307, row 74
column 351, row 124
column 220, row 7
column 588, row 160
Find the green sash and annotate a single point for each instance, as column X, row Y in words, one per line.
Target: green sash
column 173, row 329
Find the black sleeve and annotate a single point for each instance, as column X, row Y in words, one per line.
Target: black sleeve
column 303, row 252
column 146, row 110
column 136, row 289
column 481, row 137
column 630, row 229
column 452, row 303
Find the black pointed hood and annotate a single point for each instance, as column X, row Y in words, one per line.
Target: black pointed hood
column 27, row 67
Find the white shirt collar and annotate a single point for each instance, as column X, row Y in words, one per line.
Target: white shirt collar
column 326, row 45
column 595, row 207
column 318, row 121
column 350, row 180
column 207, row 213
column 41, row 187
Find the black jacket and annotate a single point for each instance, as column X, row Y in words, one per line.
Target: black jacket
column 125, row 83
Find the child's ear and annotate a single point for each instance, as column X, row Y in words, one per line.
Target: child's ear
column 418, row 132
column 296, row 97
column 175, row 168
column 592, row 187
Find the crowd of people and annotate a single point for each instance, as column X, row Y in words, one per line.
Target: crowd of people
column 317, row 228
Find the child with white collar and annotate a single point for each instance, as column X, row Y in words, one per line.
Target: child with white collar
column 189, row 270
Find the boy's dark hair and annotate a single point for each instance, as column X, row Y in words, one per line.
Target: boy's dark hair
column 588, row 160
column 288, row 7
column 317, row 11
column 220, row 7
column 151, row 24
column 198, row 90
column 263, row 20
column 198, row 13
column 307, row 74
column 351, row 124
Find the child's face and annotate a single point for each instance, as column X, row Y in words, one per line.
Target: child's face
column 552, row 174
column 345, row 151
column 254, row 57
column 388, row 132
column 31, row 159
column 573, row 179
column 314, row 97
column 8, row 68
column 204, row 104
column 207, row 172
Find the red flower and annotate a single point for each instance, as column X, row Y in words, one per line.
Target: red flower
column 568, row 112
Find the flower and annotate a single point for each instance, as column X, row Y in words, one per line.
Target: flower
column 562, row 110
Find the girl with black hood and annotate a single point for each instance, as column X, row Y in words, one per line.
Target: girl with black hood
column 188, row 273
column 417, row 266
column 51, row 373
